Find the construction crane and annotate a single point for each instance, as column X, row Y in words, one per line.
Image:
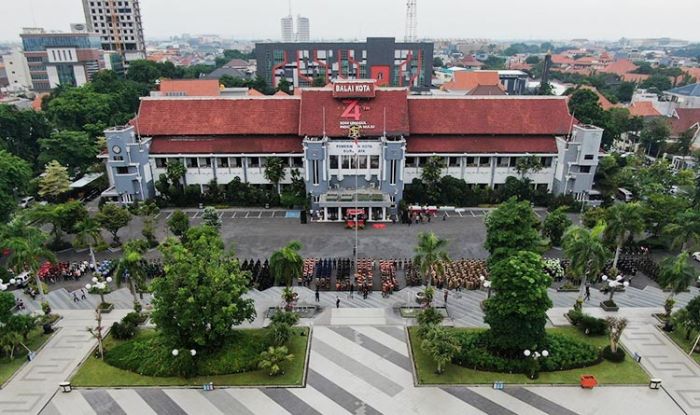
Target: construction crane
column 116, row 31
column 411, row 21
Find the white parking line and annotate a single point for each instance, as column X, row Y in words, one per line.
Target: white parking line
column 273, row 213
column 460, row 214
column 195, row 215
column 234, row 215
column 221, row 215
column 247, row 213
column 169, row 215
column 472, row 212
column 157, row 215
column 260, row 215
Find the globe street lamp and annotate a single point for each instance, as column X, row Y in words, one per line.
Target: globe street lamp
column 613, row 284
column 534, row 357
column 486, row 284
column 100, row 284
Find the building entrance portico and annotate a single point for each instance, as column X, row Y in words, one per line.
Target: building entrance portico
column 334, row 205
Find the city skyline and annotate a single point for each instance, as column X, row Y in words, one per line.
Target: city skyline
column 543, row 20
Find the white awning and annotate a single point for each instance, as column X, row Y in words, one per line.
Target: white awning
column 85, row 180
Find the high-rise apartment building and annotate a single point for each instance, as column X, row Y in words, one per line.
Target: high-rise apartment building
column 287, row 28
column 17, row 71
column 303, row 30
column 118, row 22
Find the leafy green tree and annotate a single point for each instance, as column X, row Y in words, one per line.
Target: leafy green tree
column 55, row 181
column 584, row 105
column 430, row 255
column 623, row 220
column 274, row 171
column 62, row 218
column 143, row 71
column 273, row 358
column 529, row 164
column 175, row 172
column 7, row 304
column 22, row 324
column 658, row 82
column 676, row 273
column 432, row 170
column 287, row 264
column 586, row 252
column 606, row 176
column 179, row 224
column 20, row 131
column 625, row 91
column 685, row 229
column 593, row 216
column 201, row 296
column 427, row 319
column 510, row 228
column 112, row 218
column 693, row 316
column 437, row 62
column 9, row 341
column 441, row 345
column 517, row 313
column 285, row 86
column 73, row 149
column 87, row 233
column 211, row 218
column 655, row 133
column 83, row 109
column 656, row 211
column 15, row 174
column 555, row 224
column 131, row 266
column 27, row 251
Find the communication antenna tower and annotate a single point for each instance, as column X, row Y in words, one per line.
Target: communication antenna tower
column 411, row 21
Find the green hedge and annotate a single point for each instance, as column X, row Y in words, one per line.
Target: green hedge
column 564, row 353
column 149, row 354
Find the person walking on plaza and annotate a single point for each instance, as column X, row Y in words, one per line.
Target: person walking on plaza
column 446, row 294
column 75, row 298
column 588, row 292
column 82, row 293
column 337, row 302
column 317, row 295
column 352, row 290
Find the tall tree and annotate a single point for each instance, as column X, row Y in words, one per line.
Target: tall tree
column 274, row 171
column 175, row 172
column 131, row 266
column 112, row 218
column 179, row 224
column 87, row 233
column 432, row 170
column 20, row 131
column 554, row 226
column 15, row 174
column 62, row 217
column 441, row 345
column 623, row 220
column 584, row 105
column 655, row 134
column 201, row 296
column 55, row 181
column 685, row 228
column 211, row 218
column 73, row 149
column 517, row 313
column 287, row 264
column 510, row 228
column 431, row 252
column 529, row 164
column 27, row 252
column 675, row 274
column 586, row 252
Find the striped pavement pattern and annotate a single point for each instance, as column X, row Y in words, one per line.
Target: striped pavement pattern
column 352, row 370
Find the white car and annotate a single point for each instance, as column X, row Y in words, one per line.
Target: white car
column 696, row 256
column 22, row 279
column 26, row 202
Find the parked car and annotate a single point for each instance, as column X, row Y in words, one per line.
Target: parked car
column 696, row 256
column 25, row 202
column 22, row 279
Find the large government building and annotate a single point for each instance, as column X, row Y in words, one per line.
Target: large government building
column 348, row 134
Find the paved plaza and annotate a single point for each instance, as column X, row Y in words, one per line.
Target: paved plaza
column 359, row 364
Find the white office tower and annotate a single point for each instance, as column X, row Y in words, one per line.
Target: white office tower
column 287, row 28
column 119, row 25
column 303, row 30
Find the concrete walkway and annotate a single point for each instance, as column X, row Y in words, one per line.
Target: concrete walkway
column 36, row 383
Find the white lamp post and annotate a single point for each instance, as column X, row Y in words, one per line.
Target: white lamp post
column 535, row 356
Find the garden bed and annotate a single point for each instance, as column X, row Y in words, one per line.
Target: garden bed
column 608, row 305
column 306, row 311
column 678, row 337
column 412, row 312
column 241, row 353
column 37, row 340
column 627, row 372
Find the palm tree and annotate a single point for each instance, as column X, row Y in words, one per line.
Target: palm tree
column 273, row 357
column 676, row 273
column 430, row 255
column 586, row 251
column 685, row 228
column 131, row 265
column 287, row 264
column 27, row 251
column 88, row 232
column 622, row 221
column 441, row 345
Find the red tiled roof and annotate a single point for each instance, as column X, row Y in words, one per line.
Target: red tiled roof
column 191, row 87
column 493, row 115
column 643, row 109
column 467, row 80
column 218, row 116
column 562, row 60
column 487, row 90
column 314, row 102
column 683, row 119
column 620, row 67
column 480, row 144
column 227, row 145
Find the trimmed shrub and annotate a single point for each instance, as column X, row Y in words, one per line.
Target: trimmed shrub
column 289, row 318
column 564, row 353
column 592, row 326
column 123, row 330
column 279, row 333
column 575, row 316
column 616, row 357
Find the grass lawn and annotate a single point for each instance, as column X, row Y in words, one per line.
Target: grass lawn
column 8, row 367
column 96, row 373
column 678, row 336
column 607, row 373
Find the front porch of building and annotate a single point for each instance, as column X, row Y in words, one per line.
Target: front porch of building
column 340, row 205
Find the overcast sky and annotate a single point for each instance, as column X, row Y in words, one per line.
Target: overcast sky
column 332, row 19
